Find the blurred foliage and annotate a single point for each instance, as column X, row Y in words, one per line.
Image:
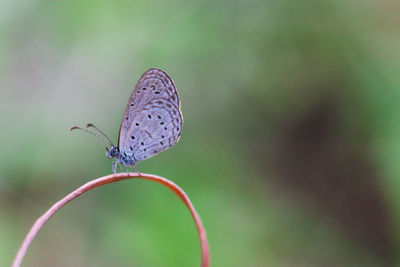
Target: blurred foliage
column 290, row 145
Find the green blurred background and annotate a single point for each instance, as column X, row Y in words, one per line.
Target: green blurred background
column 290, row 149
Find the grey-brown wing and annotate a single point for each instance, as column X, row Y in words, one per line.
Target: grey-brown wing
column 153, row 85
column 156, row 127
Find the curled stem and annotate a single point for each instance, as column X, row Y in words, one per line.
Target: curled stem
column 205, row 258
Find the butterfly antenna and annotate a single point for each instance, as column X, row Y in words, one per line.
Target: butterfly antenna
column 92, row 133
column 100, row 131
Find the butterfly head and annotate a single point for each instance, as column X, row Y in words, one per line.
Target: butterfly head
column 112, row 152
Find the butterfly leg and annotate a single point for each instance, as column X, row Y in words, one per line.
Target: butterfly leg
column 114, row 166
column 134, row 168
column 119, row 166
column 126, row 168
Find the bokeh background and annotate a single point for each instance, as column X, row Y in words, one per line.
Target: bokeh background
column 290, row 148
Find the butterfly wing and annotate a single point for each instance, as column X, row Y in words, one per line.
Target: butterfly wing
column 152, row 120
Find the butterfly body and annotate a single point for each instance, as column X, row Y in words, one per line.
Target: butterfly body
column 123, row 157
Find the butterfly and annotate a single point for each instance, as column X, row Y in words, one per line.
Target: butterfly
column 152, row 121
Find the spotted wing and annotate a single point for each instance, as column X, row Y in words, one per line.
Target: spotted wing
column 152, row 121
column 154, row 83
column 157, row 126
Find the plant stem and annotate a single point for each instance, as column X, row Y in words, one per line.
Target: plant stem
column 107, row 180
